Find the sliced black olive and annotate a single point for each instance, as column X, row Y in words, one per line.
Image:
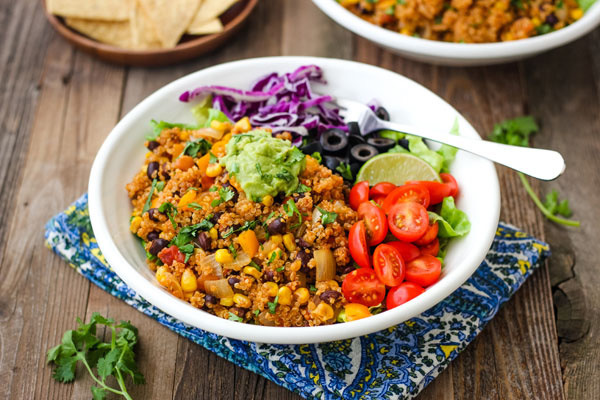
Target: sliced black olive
column 332, row 162
column 362, row 152
column 334, row 141
column 311, row 148
column 381, row 144
column 353, row 140
column 354, row 129
column 403, row 142
column 382, row 113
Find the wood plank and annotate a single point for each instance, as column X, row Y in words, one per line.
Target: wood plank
column 565, row 96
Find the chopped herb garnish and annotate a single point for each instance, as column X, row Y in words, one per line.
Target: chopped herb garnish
column 246, row 226
column 302, row 188
column 256, row 312
column 290, row 209
column 170, row 210
column 556, row 207
column 317, row 156
column 233, row 317
column 149, row 199
column 160, row 186
column 213, row 159
column 273, row 305
column 213, row 189
column 267, row 178
column 183, row 239
column 255, row 265
column 233, row 250
column 193, row 147
column 280, row 269
column 390, row 10
column 517, row 132
column 543, row 29
column 195, row 206
column 285, row 175
column 272, row 257
column 294, row 156
column 225, row 194
column 345, row 171
column 312, row 289
column 326, row 216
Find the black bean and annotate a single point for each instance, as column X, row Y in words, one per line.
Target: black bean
column 152, row 170
column 269, row 275
column 152, row 236
column 233, row 280
column 210, row 299
column 304, row 257
column 276, row 227
column 404, row 143
column 551, row 19
column 157, row 245
column 382, row 113
column 227, row 185
column 279, row 198
column 152, row 145
column 303, row 243
column 176, row 193
column 240, row 312
column 203, row 241
column 329, row 296
column 215, row 217
column 153, row 214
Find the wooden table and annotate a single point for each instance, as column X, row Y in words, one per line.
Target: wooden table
column 57, row 105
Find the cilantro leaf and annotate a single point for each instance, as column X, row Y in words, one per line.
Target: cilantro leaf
column 149, row 199
column 302, row 188
column 345, row 171
column 160, row 186
column 273, row 305
column 326, row 216
column 317, row 156
column 233, row 317
column 555, row 206
column 290, row 209
column 193, row 147
column 225, row 194
column 170, row 210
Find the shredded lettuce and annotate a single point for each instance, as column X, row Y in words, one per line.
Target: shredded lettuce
column 205, row 114
column 585, row 4
column 452, row 221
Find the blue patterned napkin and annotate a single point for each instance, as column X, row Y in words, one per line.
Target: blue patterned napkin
column 395, row 363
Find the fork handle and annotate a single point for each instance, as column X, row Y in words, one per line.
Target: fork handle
column 538, row 163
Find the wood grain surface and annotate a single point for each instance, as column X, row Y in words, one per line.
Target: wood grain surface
column 57, row 105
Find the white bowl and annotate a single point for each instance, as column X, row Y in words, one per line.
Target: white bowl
column 122, row 154
column 459, row 54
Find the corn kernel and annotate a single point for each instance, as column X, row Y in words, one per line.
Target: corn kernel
column 213, row 170
column 277, row 239
column 135, row 224
column 213, row 233
column 285, row 296
column 187, row 198
column 302, row 294
column 220, row 126
column 323, row 312
column 223, row 256
column 355, row 311
column 242, row 300
column 148, row 154
column 576, row 13
column 184, row 135
column 252, row 272
column 226, row 138
column 272, row 287
column 536, row 21
column 243, row 125
column 267, row 200
column 188, row 281
column 405, row 31
column 226, row 301
column 289, row 242
column 295, row 266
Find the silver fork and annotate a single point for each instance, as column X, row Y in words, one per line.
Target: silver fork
column 538, row 163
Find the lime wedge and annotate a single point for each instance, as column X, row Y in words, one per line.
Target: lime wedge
column 396, row 168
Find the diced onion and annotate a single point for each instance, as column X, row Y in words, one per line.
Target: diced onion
column 241, row 260
column 316, row 216
column 325, row 264
column 262, row 318
column 209, row 261
column 219, row 288
column 208, row 133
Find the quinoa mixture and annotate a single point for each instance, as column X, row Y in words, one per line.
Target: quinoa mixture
column 278, row 261
column 468, row 21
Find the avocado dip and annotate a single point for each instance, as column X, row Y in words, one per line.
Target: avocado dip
column 263, row 165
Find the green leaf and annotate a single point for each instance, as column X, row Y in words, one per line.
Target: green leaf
column 326, row 216
column 149, row 199
column 516, row 131
column 273, row 305
column 302, row 188
column 233, row 317
column 585, row 4
column 106, row 363
column 65, row 370
column 555, row 207
column 317, row 156
column 53, row 353
column 193, row 147
column 345, row 171
column 98, row 393
column 290, row 209
column 452, row 221
column 158, row 127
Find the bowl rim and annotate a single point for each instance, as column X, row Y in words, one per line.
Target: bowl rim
column 263, row 334
column 460, row 51
column 201, row 40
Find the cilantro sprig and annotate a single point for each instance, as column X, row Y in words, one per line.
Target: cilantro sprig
column 326, row 216
column 225, row 195
column 115, row 358
column 345, row 171
column 517, row 132
column 149, row 199
column 290, row 209
column 170, row 210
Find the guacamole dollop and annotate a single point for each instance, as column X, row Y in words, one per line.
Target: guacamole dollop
column 263, row 165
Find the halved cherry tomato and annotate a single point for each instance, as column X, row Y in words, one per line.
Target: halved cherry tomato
column 388, row 265
column 429, row 235
column 407, row 193
column 359, row 194
column 407, row 251
column 381, row 189
column 424, row 270
column 408, row 221
column 402, row 293
column 432, row 248
column 362, row 286
column 450, row 181
column 379, row 200
column 437, row 190
column 168, row 254
column 375, row 222
column 357, row 241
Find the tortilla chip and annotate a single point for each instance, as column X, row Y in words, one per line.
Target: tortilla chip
column 105, row 10
column 144, row 32
column 212, row 26
column 117, row 33
column 209, row 10
column 170, row 17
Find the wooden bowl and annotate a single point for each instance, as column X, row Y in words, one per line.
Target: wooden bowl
column 189, row 46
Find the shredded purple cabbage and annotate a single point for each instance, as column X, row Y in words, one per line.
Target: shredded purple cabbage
column 280, row 102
